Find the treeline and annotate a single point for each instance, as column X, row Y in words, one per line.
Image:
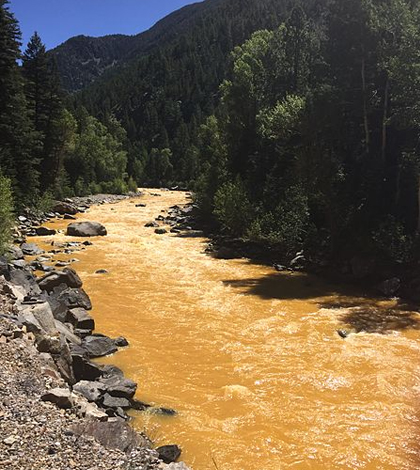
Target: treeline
column 46, row 149
column 316, row 142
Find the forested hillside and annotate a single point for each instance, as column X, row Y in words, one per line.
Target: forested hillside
column 316, row 142
column 164, row 93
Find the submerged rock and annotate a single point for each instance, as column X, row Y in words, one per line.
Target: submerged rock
column 169, row 453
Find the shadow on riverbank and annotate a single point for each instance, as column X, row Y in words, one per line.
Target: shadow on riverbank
column 359, row 312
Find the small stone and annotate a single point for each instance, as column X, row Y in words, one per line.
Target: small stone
column 10, row 440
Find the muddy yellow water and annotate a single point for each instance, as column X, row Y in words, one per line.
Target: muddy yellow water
column 250, row 358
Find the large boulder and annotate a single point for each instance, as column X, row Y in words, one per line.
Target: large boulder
column 44, row 231
column 86, row 229
column 63, row 298
column 38, row 319
column 68, row 276
column 25, row 279
column 98, row 346
column 15, row 253
column 69, row 335
column 111, row 434
column 64, row 208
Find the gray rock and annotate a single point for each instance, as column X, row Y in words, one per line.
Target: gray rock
column 44, row 231
column 161, row 231
column 101, row 271
column 83, row 369
column 164, row 411
column 69, row 217
column 118, row 386
column 81, row 319
column 19, row 263
column 86, row 229
column 89, row 410
column 169, row 453
column 68, row 276
column 64, row 208
column 176, row 466
column 59, row 396
column 152, row 224
column 69, row 335
column 15, row 253
column 112, row 435
column 121, row 342
column 31, row 249
column 92, row 391
column 109, row 401
column 39, row 319
column 98, row 346
column 63, row 298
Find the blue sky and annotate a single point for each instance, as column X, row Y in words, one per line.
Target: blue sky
column 58, row 20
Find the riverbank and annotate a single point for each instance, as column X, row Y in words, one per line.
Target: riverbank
column 58, row 408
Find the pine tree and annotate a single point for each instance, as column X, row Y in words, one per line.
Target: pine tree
column 43, row 94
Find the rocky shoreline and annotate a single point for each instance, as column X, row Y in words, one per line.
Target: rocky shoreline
column 58, row 409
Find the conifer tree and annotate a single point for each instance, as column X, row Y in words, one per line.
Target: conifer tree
column 43, row 94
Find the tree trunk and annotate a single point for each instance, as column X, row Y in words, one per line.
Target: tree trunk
column 384, row 120
column 365, row 107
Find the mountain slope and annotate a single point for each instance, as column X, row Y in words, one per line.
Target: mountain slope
column 164, row 82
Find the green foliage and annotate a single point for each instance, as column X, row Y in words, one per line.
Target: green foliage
column 6, row 213
column 286, row 225
column 391, row 241
column 46, row 202
column 282, row 121
column 96, row 161
column 232, row 207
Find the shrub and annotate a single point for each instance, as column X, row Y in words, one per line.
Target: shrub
column 286, row 225
column 6, row 213
column 232, row 207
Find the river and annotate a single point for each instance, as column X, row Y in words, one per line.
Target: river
column 250, row 358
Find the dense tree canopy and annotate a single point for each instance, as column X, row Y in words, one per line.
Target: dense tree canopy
column 296, row 123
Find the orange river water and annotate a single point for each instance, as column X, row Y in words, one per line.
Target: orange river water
column 250, row 358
